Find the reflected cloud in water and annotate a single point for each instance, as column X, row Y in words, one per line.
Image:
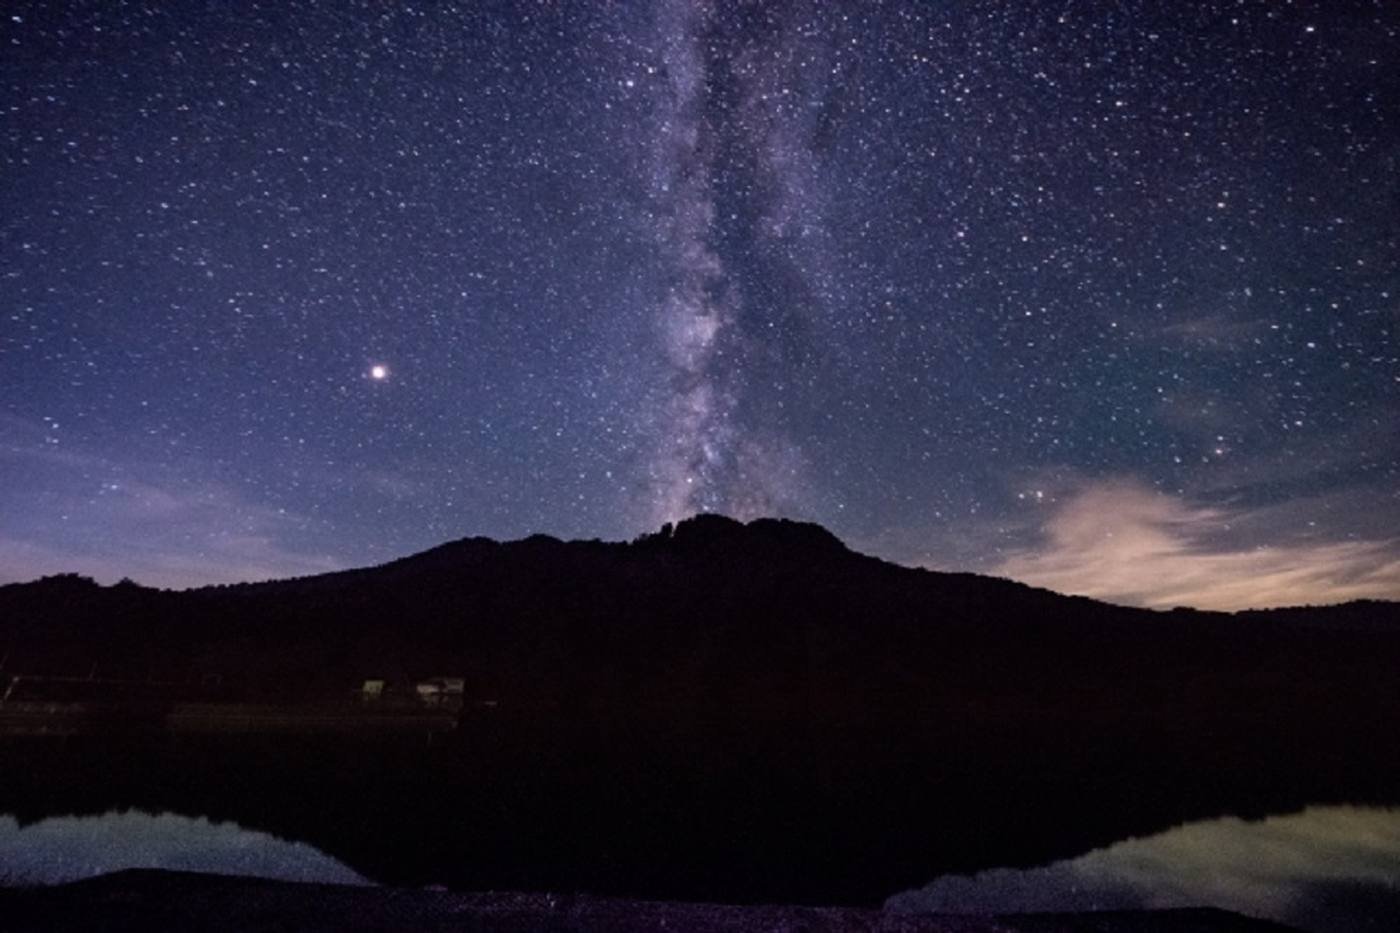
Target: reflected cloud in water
column 1326, row 869
column 70, row 848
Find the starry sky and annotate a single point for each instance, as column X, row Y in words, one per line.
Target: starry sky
column 1102, row 296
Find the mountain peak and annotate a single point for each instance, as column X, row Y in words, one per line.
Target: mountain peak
column 709, row 530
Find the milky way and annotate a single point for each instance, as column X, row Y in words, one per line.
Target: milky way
column 1099, row 295
column 697, row 312
column 726, row 124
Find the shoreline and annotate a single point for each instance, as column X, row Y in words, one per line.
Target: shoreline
column 144, row 899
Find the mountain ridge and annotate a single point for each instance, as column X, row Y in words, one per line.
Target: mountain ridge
column 698, row 534
column 707, row 596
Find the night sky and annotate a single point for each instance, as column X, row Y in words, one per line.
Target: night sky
column 1100, row 296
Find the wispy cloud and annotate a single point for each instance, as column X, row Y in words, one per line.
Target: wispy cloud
column 1223, row 331
column 183, row 540
column 1124, row 543
column 71, row 511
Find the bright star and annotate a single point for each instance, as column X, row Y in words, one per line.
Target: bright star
column 379, row 372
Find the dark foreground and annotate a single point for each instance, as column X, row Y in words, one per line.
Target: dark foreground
column 717, row 713
column 154, row 900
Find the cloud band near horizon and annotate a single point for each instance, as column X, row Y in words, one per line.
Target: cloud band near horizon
column 1122, row 542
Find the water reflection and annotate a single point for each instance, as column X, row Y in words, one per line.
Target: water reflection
column 1326, row 869
column 70, row 848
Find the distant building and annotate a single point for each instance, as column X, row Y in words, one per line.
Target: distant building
column 441, row 691
column 372, row 691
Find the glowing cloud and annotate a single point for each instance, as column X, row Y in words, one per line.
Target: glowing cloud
column 1121, row 542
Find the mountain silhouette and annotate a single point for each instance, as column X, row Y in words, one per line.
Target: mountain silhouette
column 711, row 615
column 774, row 617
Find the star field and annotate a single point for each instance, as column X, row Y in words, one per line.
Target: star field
column 1102, row 296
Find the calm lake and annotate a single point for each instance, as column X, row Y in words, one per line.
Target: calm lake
column 1326, row 869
